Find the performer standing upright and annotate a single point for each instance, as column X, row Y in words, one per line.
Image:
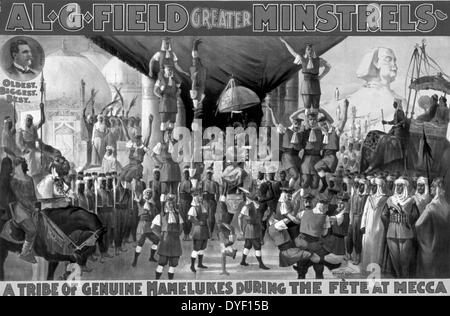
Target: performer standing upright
column 311, row 64
column 422, row 196
column 147, row 212
column 170, row 170
column 313, row 143
column 250, row 223
column 372, row 228
column 357, row 203
column 399, row 217
column 198, row 215
column 99, row 133
column 155, row 185
column 89, row 124
column 169, row 224
column 210, row 191
column 28, row 136
column 433, row 236
column 9, row 145
column 185, row 190
column 105, row 205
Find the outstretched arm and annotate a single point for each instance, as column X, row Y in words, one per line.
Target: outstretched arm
column 149, row 132
column 326, row 68
column 178, row 67
column 296, row 113
column 344, row 120
column 290, row 49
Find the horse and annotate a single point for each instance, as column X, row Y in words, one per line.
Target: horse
column 72, row 221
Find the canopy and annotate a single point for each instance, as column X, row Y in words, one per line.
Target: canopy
column 437, row 82
column 236, row 98
column 260, row 63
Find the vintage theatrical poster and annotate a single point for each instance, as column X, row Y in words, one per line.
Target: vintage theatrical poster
column 240, row 149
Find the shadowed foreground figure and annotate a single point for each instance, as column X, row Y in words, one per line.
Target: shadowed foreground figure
column 433, row 236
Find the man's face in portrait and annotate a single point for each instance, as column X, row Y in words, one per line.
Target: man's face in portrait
column 23, row 57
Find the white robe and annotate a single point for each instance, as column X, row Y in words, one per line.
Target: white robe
column 373, row 242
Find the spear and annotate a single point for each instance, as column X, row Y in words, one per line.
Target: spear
column 42, row 90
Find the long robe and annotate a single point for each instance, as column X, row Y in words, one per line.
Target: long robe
column 433, row 239
column 374, row 239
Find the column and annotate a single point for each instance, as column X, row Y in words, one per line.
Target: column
column 280, row 101
column 291, row 99
column 150, row 105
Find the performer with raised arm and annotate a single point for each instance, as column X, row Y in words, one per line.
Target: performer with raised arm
column 165, row 56
column 310, row 65
column 170, row 170
column 147, row 212
column 28, row 136
column 9, row 145
column 137, row 151
column 290, row 148
column 331, row 138
column 89, row 125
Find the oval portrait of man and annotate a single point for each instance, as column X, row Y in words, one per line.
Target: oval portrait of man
column 22, row 58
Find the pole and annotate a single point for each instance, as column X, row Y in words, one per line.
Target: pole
column 42, row 90
column 413, row 61
column 418, row 75
column 382, row 118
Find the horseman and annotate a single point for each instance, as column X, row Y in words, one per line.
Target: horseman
column 22, row 187
column 53, row 185
column 28, row 136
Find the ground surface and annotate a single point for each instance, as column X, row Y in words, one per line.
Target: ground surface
column 119, row 267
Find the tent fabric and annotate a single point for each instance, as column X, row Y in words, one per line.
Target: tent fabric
column 260, row 63
column 431, row 83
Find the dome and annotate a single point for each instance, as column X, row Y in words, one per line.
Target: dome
column 63, row 73
column 98, row 58
column 118, row 73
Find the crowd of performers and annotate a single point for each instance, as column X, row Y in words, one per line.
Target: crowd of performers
column 316, row 213
column 312, row 202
